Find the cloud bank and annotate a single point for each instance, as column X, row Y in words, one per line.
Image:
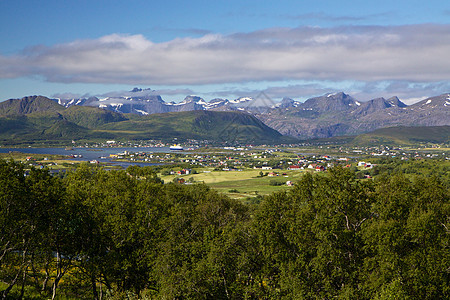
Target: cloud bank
column 414, row 53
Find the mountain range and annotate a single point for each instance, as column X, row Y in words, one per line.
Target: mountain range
column 340, row 114
column 319, row 117
column 143, row 102
column 326, row 116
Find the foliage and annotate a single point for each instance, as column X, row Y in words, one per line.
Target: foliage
column 276, row 182
column 126, row 235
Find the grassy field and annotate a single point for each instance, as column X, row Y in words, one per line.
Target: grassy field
column 241, row 184
column 54, row 162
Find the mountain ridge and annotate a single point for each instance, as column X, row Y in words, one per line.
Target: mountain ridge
column 347, row 116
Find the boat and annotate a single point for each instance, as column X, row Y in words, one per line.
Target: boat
column 176, row 148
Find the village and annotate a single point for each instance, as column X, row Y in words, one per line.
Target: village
column 249, row 171
column 284, row 158
column 239, row 171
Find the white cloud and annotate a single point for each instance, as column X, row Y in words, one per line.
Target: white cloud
column 361, row 53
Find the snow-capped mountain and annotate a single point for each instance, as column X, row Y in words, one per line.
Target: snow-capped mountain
column 144, row 102
column 323, row 116
column 340, row 114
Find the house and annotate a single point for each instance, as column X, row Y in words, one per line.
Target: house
column 365, row 165
column 272, row 174
column 320, row 168
column 295, row 167
column 266, row 168
column 289, row 183
column 184, row 172
column 180, row 180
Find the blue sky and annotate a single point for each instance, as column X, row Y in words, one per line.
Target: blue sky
column 226, row 49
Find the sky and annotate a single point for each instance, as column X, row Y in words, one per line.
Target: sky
column 226, row 49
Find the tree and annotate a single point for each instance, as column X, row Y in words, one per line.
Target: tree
column 36, row 223
column 15, row 229
column 197, row 257
column 407, row 241
column 123, row 213
column 57, row 228
column 311, row 236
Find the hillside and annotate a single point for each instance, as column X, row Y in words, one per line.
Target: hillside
column 27, row 105
column 224, row 127
column 91, row 117
column 405, row 135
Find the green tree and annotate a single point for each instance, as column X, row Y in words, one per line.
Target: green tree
column 197, row 256
column 15, row 230
column 407, row 241
column 123, row 213
column 311, row 236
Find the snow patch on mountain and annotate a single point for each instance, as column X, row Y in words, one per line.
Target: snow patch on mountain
column 241, row 100
column 142, row 112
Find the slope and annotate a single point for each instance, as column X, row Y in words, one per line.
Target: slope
column 27, row 105
column 225, row 127
column 403, row 135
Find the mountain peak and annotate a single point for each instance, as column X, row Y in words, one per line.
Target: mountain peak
column 28, row 105
column 137, row 90
column 192, row 98
column 330, row 102
column 286, row 103
column 396, row 102
column 338, row 95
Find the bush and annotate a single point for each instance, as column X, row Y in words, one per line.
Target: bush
column 276, row 183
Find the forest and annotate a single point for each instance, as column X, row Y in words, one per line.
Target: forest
column 124, row 234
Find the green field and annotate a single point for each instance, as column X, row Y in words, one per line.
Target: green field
column 241, row 184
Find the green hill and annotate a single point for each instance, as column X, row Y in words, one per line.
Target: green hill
column 405, row 136
column 27, row 105
column 225, row 127
column 90, row 117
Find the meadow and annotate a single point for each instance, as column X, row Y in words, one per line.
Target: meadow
column 241, row 184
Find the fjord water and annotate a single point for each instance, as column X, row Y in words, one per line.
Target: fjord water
column 87, row 154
